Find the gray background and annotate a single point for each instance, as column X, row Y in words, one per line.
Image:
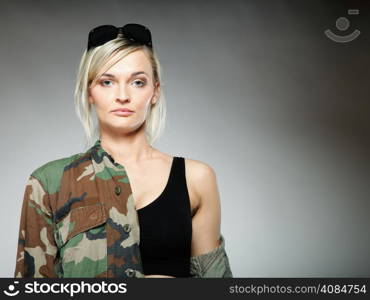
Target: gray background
column 254, row 88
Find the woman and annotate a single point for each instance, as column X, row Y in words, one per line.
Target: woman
column 122, row 208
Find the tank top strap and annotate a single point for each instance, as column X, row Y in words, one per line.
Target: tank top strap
column 177, row 176
column 177, row 187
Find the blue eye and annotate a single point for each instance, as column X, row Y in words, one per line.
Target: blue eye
column 141, row 82
column 102, row 82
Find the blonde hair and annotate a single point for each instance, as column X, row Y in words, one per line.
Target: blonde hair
column 90, row 69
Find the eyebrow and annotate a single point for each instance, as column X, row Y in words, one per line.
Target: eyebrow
column 132, row 74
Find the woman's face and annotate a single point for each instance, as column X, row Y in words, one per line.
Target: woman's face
column 127, row 84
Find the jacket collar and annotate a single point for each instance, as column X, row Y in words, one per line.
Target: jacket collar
column 99, row 155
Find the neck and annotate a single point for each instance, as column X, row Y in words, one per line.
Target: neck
column 127, row 148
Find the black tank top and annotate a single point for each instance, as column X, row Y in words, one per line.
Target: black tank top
column 166, row 227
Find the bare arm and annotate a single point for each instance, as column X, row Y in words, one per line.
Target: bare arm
column 207, row 219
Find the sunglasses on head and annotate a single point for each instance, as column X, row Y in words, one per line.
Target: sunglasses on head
column 136, row 33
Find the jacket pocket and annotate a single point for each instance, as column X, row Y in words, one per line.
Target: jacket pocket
column 81, row 239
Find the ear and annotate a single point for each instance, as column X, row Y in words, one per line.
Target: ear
column 90, row 98
column 156, row 93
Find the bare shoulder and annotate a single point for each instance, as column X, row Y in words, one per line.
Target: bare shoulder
column 199, row 170
column 195, row 169
column 201, row 179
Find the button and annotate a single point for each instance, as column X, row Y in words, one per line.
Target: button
column 127, row 228
column 130, row 272
column 117, row 190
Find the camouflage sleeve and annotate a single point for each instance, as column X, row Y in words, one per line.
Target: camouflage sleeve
column 37, row 251
column 213, row 264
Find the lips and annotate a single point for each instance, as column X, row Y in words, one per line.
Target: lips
column 122, row 110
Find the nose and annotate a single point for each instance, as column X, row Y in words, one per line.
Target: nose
column 122, row 94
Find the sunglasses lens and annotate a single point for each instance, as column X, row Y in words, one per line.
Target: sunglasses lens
column 134, row 32
column 101, row 34
column 137, row 33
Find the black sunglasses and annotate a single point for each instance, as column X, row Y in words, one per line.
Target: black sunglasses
column 136, row 33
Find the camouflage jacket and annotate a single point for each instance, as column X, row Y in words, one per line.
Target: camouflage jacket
column 78, row 219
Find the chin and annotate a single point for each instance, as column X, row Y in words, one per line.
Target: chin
column 125, row 128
